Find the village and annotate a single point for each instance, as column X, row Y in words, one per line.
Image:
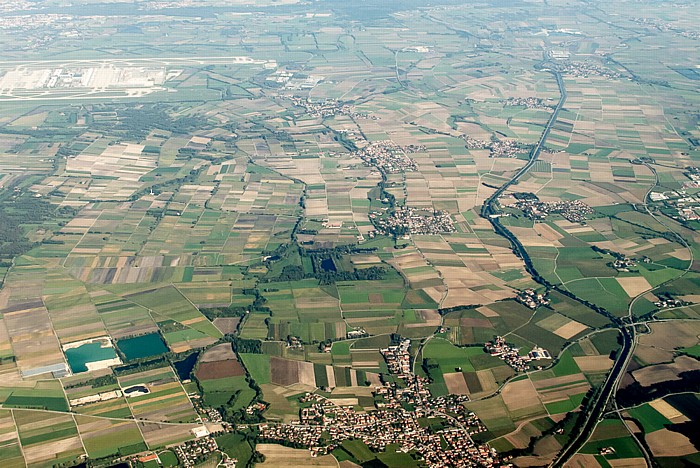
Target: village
column 328, row 108
column 323, row 425
column 405, row 220
column 586, row 69
column 497, row 148
column 388, row 157
column 574, row 211
column 528, row 102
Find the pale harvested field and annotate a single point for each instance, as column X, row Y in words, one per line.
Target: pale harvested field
column 533, row 461
column 547, row 232
column 520, row 437
column 227, row 324
column 564, row 393
column 670, row 335
column 668, row 411
column 222, row 352
column 159, row 435
column 681, row 254
column 628, row 463
column 652, row 355
column 430, row 317
column 365, row 259
column 456, row 384
column 373, row 379
column 666, row 443
column 306, row 373
column 665, row 372
column 486, row 312
column 357, row 391
column 581, row 460
column 282, row 457
column 487, row 381
column 435, row 293
column 531, row 238
column 520, row 394
column 47, row 451
column 34, row 343
column 572, row 328
column 634, row 286
column 593, row 363
column 330, row 374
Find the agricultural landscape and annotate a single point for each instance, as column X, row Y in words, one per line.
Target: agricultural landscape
column 401, row 234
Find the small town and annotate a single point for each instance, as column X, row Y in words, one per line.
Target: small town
column 574, row 211
column 324, row 425
column 407, row 220
column 586, row 69
column 511, row 355
column 388, row 157
column 497, row 148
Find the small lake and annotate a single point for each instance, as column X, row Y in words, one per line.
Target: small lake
column 142, row 346
column 136, row 390
column 88, row 352
column 184, row 367
column 328, row 264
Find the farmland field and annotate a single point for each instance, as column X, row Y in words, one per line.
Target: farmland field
column 349, row 233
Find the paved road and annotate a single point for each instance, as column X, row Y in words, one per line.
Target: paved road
column 490, row 211
column 596, row 412
column 488, row 208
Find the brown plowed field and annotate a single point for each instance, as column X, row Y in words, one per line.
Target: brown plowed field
column 219, row 370
column 283, row 371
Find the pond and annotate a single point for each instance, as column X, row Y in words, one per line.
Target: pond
column 184, row 367
column 136, row 390
column 328, row 265
column 79, row 357
column 142, row 346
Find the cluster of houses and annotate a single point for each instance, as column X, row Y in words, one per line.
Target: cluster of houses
column 624, row 264
column 668, row 302
column 257, row 407
column 206, row 413
column 532, row 299
column 194, row 451
column 398, row 359
column 294, row 342
column 511, row 355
